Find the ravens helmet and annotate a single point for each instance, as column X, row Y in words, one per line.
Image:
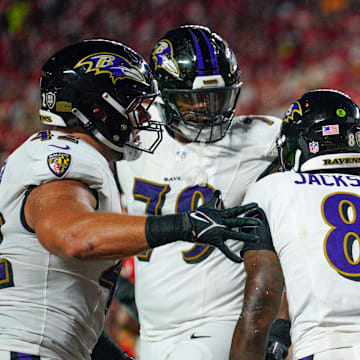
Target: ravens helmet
column 102, row 86
column 199, row 79
column 320, row 131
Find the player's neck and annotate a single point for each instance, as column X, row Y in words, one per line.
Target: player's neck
column 83, row 135
column 179, row 138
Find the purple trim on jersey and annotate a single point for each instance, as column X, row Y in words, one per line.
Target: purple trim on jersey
column 199, row 55
column 212, row 54
column 21, row 356
column 311, row 357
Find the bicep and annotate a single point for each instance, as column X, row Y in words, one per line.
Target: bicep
column 52, row 209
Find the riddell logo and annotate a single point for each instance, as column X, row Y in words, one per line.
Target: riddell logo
column 342, row 161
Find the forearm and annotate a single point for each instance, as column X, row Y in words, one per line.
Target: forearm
column 96, row 235
column 245, row 347
column 261, row 303
column 101, row 235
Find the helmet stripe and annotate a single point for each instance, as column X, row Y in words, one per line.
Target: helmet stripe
column 201, row 64
column 212, row 54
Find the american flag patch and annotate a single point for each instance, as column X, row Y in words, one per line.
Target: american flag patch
column 330, row 130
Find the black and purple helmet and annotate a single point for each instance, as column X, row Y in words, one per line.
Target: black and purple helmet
column 199, row 80
column 100, row 85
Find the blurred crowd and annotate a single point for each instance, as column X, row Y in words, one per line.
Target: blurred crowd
column 284, row 48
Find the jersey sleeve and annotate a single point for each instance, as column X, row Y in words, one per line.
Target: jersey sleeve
column 51, row 161
column 270, row 136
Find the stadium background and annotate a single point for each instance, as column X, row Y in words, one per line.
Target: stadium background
column 284, row 48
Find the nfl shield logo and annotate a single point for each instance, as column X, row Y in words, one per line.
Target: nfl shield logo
column 180, row 155
column 314, row 147
column 59, row 163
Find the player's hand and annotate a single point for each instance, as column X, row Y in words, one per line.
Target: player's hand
column 213, row 226
column 279, row 340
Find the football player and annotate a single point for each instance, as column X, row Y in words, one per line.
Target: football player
column 189, row 297
column 61, row 227
column 311, row 237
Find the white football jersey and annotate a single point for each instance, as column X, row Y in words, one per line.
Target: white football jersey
column 181, row 285
column 50, row 306
column 314, row 222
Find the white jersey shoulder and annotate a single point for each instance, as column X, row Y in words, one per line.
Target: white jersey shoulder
column 313, row 219
column 260, row 130
column 50, row 306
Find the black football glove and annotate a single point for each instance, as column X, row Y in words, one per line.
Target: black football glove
column 213, row 226
column 279, row 340
column 206, row 225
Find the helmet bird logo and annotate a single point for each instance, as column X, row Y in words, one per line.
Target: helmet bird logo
column 163, row 56
column 293, row 109
column 108, row 63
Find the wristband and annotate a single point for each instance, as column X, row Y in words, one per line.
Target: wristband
column 161, row 230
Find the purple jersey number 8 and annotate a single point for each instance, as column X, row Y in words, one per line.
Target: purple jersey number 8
column 341, row 212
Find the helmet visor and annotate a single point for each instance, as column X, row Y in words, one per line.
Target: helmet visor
column 204, row 101
column 202, row 115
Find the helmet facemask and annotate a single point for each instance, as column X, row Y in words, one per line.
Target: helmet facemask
column 138, row 116
column 201, row 115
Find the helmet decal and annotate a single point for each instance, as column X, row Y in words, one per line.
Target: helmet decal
column 340, row 112
column 163, row 56
column 314, row 147
column 114, row 65
column 330, row 130
column 293, row 109
column 201, row 64
column 50, row 99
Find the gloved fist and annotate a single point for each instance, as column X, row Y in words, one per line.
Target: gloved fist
column 206, row 225
column 213, row 226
